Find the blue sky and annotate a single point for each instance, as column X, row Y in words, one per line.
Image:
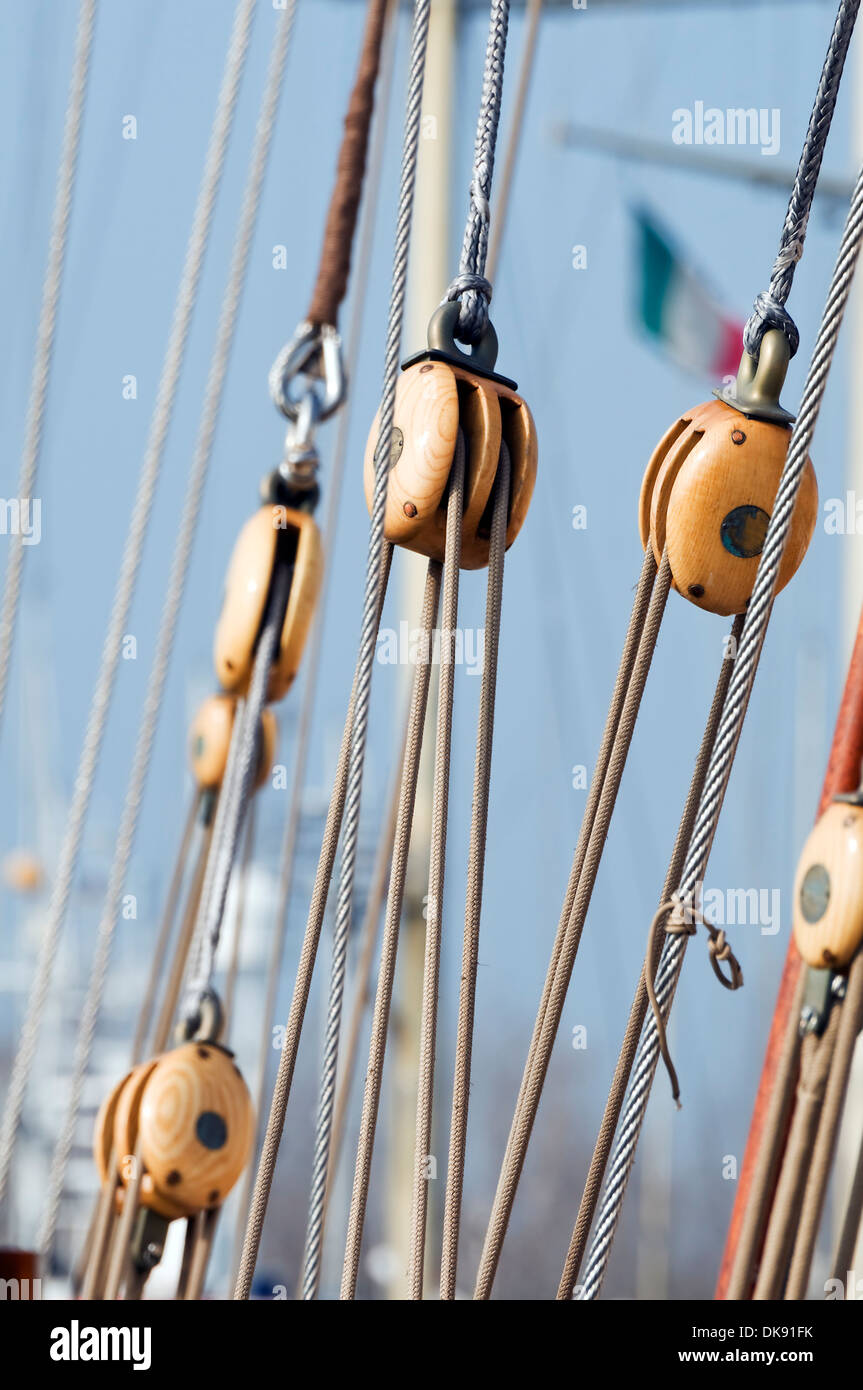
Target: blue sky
column 601, row 396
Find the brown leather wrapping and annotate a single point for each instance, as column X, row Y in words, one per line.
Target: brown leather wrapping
column 335, row 263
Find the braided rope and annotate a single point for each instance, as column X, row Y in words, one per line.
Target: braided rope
column 470, row 285
column 349, row 775
column 366, row 657
column 312, row 658
column 187, row 531
column 475, row 875
column 51, row 290
column 132, row 553
column 237, row 794
column 734, row 712
column 437, row 870
column 769, row 309
column 390, row 940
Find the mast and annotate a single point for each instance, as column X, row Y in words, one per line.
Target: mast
column 430, row 272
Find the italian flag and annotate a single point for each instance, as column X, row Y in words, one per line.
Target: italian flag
column 679, row 311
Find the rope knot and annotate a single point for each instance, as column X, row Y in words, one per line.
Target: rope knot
column 474, row 292
column 768, row 312
column 681, row 916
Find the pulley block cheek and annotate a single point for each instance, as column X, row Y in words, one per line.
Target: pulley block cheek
column 192, row 1114
column 210, row 742
column 273, row 534
column 828, row 889
column 196, row 1124
column 434, row 400
column 116, row 1131
column 707, row 495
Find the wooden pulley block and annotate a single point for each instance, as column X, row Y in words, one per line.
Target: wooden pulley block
column 116, row 1131
column 196, row 1125
column 828, row 889
column 440, row 391
column 709, row 489
column 274, row 532
column 210, row 742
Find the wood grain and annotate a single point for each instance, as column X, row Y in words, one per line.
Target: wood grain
column 833, row 854
column 196, row 1125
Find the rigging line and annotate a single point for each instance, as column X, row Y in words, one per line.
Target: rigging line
column 745, row 666
column 378, row 546
column 850, row 1229
column 300, row 998
column 769, row 1125
column 132, row 553
column 335, row 262
column 475, row 872
column 51, row 290
column 239, row 921
column 166, row 928
column 97, row 1252
column 602, row 1149
column 814, row 1070
column 365, row 962
column 389, row 948
column 437, row 869
column 821, row 1155
column 769, row 309
column 470, row 285
column 302, row 740
column 246, row 734
column 505, row 181
column 647, row 610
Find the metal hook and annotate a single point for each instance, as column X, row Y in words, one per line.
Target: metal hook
column 315, row 354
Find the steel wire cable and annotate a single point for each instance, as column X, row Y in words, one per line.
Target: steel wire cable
column 130, row 565
column 728, row 735
column 46, row 329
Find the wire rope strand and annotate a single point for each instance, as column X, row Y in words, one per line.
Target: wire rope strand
column 728, row 735
column 132, row 554
column 368, row 640
column 470, row 285
column 389, row 947
column 46, row 330
column 769, row 310
column 649, row 596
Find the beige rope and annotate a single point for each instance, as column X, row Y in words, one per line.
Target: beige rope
column 166, row 927
column 437, row 865
column 475, row 872
column 639, row 645
column 806, row 1228
column 368, row 942
column 386, row 970
column 302, row 985
column 239, row 922
column 637, row 1014
column 850, row 1232
column 769, row 1155
column 684, row 919
column 815, row 1056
